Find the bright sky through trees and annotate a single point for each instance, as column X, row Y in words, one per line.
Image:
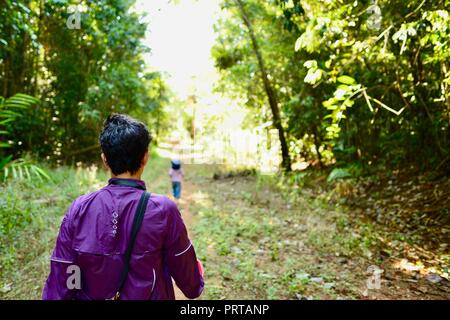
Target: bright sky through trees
column 181, row 35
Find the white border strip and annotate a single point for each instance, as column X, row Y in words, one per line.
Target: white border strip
column 179, row 254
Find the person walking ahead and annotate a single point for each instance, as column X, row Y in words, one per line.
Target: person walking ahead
column 95, row 235
column 176, row 175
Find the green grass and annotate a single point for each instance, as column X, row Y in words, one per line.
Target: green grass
column 258, row 237
column 30, row 214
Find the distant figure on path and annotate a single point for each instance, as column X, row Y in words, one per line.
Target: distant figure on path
column 121, row 242
column 176, row 174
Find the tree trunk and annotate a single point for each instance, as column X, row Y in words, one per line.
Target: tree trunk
column 317, row 146
column 427, row 130
column 271, row 94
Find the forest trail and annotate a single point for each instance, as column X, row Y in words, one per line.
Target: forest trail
column 257, row 244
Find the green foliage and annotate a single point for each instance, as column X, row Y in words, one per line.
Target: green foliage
column 373, row 74
column 357, row 81
column 79, row 75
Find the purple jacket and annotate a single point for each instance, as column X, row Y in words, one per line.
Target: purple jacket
column 94, row 234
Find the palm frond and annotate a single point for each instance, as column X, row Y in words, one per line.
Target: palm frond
column 19, row 100
column 9, row 106
column 20, row 168
column 23, row 169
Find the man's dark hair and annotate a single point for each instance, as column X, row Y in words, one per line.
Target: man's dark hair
column 124, row 141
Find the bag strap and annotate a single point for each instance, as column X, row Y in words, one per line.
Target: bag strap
column 138, row 217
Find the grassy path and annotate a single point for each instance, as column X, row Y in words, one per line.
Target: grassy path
column 260, row 241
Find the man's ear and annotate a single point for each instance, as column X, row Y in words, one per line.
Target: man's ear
column 145, row 159
column 104, row 160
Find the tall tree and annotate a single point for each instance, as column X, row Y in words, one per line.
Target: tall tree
column 271, row 93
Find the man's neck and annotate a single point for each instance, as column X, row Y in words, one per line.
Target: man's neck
column 127, row 175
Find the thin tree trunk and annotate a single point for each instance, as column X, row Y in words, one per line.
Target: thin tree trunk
column 427, row 131
column 317, row 146
column 271, row 94
column 38, row 50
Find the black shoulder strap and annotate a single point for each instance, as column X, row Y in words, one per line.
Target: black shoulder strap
column 138, row 217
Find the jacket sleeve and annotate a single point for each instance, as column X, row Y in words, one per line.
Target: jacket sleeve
column 65, row 277
column 180, row 256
